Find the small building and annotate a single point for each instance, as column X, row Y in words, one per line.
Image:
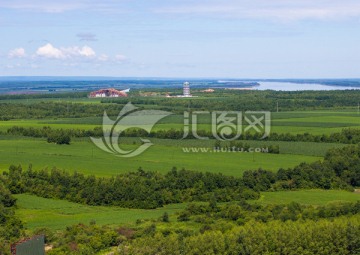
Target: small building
column 30, row 246
column 108, row 93
column 207, row 90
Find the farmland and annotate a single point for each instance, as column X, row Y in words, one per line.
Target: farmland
column 85, row 157
column 312, row 122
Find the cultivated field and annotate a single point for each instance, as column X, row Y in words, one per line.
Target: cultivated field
column 85, row 157
column 312, row 122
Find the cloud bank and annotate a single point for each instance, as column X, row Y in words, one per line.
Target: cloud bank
column 66, row 56
column 51, row 52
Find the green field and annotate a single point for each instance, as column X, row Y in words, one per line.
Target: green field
column 38, row 212
column 297, row 148
column 85, row 157
column 308, row 197
column 313, row 122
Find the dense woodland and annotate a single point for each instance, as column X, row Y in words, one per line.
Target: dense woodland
column 141, row 189
column 222, row 100
column 225, row 100
column 340, row 236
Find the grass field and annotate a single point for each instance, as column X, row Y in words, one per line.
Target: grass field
column 297, row 148
column 38, row 212
column 313, row 122
column 85, row 157
column 308, row 197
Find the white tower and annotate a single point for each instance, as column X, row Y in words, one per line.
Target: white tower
column 186, row 89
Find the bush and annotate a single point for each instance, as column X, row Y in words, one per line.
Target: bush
column 59, row 139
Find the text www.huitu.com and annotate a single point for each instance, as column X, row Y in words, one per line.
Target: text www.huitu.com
column 224, row 150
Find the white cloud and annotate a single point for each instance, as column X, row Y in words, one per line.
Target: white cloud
column 86, row 51
column 49, row 51
column 76, row 51
column 17, row 53
column 69, row 56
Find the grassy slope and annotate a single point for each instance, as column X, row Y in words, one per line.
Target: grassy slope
column 57, row 214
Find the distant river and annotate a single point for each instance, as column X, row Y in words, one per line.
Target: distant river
column 288, row 86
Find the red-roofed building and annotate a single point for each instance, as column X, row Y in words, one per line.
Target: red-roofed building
column 108, row 93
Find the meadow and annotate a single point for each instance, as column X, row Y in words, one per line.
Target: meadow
column 38, row 212
column 312, row 122
column 83, row 156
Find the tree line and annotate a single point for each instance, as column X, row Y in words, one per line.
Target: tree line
column 222, row 100
column 346, row 135
column 240, row 212
column 230, row 100
column 340, row 169
column 141, row 189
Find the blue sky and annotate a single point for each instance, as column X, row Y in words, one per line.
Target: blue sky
column 187, row 38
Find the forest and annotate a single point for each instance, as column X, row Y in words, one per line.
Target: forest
column 222, row 100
